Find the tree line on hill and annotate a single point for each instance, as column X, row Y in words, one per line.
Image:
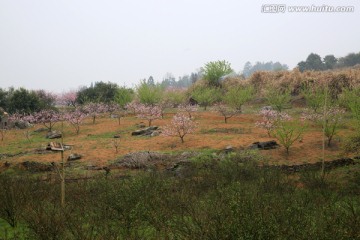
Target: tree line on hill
column 213, row 73
column 316, row 63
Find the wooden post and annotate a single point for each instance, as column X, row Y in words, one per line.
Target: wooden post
column 62, row 179
column 324, row 125
column 62, row 166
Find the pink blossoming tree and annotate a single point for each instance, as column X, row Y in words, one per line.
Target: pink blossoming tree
column 180, row 125
column 46, row 117
column 149, row 113
column 189, row 109
column 270, row 119
column 116, row 110
column 94, row 109
column 67, row 98
column 330, row 120
column 132, row 107
column 226, row 111
column 75, row 118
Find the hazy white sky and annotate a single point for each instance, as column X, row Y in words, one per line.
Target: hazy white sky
column 59, row 45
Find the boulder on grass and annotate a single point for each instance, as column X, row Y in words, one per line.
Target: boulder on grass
column 264, row 145
column 144, row 132
column 53, row 134
column 74, row 156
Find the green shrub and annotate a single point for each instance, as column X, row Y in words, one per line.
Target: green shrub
column 351, row 144
column 279, row 99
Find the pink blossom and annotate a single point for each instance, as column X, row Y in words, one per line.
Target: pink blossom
column 188, row 108
column 180, row 125
column 47, row 117
column 132, row 107
column 75, row 118
column 270, row 119
column 115, row 108
column 67, row 98
column 330, row 120
column 148, row 113
column 94, row 109
column 226, row 111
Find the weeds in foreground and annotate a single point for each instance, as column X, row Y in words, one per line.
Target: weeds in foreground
column 210, row 198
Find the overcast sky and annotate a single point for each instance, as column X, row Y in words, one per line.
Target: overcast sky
column 59, row 45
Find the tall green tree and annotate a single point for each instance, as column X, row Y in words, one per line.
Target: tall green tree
column 349, row 60
column 313, row 62
column 213, row 71
column 24, row 101
column 237, row 96
column 123, row 96
column 100, row 92
column 206, row 96
column 330, row 61
column 4, row 99
column 149, row 94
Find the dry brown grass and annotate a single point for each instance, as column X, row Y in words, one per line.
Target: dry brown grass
column 336, row 79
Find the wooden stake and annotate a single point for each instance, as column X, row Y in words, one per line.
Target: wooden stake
column 62, row 167
column 324, row 125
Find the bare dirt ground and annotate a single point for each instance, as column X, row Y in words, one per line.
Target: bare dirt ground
column 96, row 143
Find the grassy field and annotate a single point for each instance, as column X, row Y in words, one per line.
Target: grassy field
column 95, row 141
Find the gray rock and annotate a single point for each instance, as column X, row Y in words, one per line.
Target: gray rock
column 138, row 132
column 53, row 134
column 74, row 156
column 22, row 124
column 41, row 130
column 264, row 145
column 117, row 136
column 140, row 125
column 144, row 132
column 267, row 108
column 229, row 149
column 155, row 133
column 139, row 160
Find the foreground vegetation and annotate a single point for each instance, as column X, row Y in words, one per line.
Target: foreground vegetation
column 233, row 197
column 207, row 199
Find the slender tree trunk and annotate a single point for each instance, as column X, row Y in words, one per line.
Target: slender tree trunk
column 62, row 179
column 329, row 141
column 62, row 167
column 324, row 125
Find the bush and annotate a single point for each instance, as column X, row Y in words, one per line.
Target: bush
column 352, row 144
column 213, row 71
column 206, row 96
column 237, row 96
column 278, row 99
column 222, row 196
column 149, row 94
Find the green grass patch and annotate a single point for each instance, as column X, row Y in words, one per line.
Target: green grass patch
column 226, row 130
